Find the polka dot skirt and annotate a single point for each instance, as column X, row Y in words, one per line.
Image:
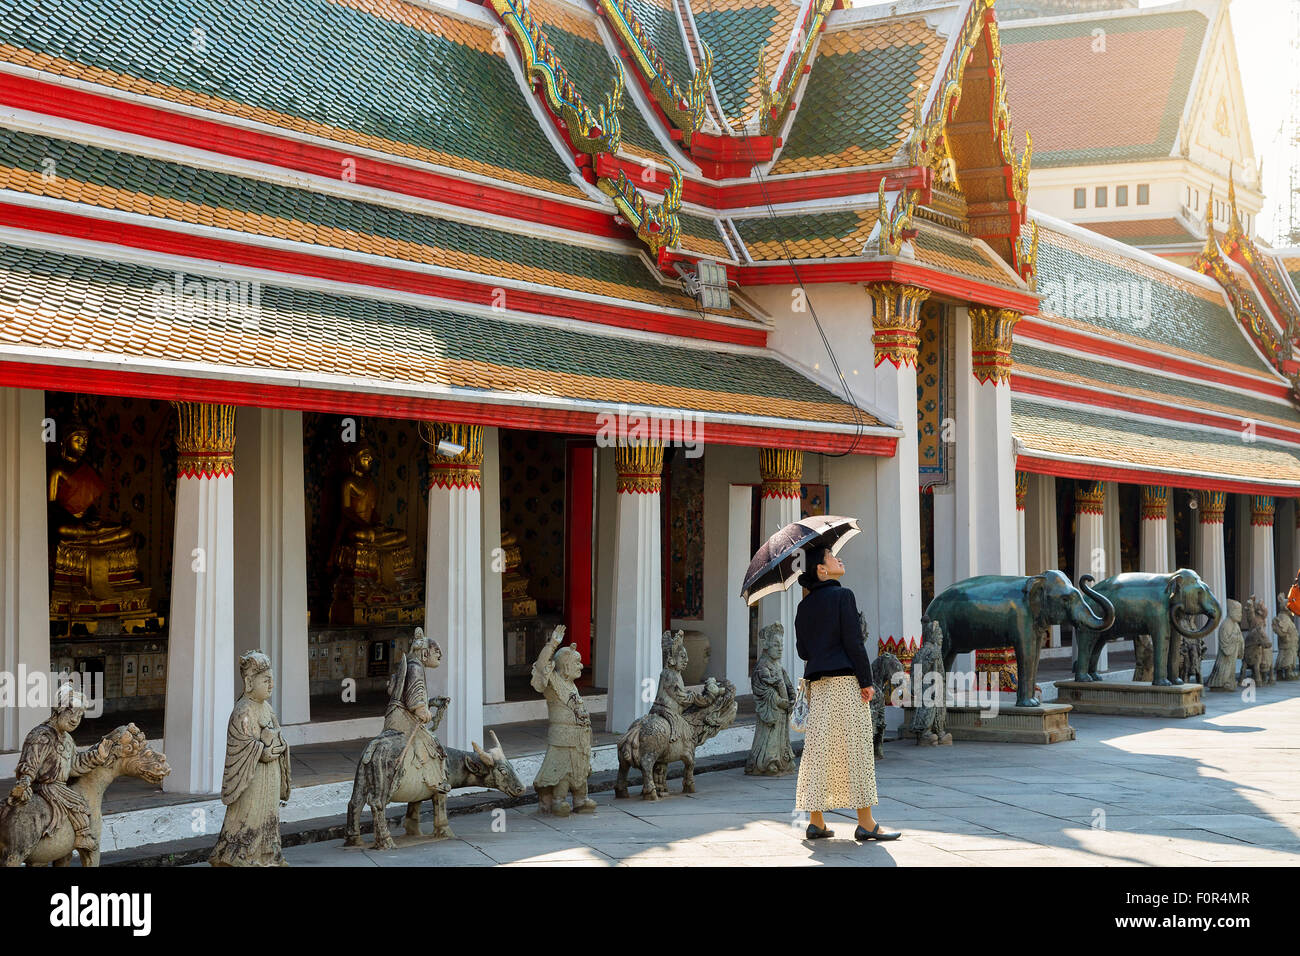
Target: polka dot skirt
column 838, row 769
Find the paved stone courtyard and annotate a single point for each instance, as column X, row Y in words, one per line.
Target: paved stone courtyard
column 1222, row 789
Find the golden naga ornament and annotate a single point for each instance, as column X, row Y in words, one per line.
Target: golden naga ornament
column 589, row 132
column 895, row 222
column 685, row 108
column 657, row 226
column 778, row 102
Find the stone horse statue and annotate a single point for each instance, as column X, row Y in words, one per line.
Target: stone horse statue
column 660, row 738
column 22, row 828
column 383, row 778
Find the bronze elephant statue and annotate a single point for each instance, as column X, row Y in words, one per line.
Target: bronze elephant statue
column 1162, row 605
column 1015, row 611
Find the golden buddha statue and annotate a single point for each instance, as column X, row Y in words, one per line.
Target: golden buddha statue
column 96, row 565
column 375, row 581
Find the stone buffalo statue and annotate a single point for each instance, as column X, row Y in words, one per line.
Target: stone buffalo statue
column 1164, row 606
column 1014, row 611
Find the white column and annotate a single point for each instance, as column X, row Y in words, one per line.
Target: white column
column 24, row 561
column 1041, row 545
column 1263, row 577
column 635, row 653
column 1211, row 565
column 781, row 471
column 453, row 595
column 985, row 460
column 201, row 629
column 1153, row 545
column 735, row 664
column 1090, row 539
column 896, row 324
column 494, row 642
column 271, row 553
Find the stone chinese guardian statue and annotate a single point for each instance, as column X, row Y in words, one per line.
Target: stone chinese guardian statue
column 412, row 713
column 1232, row 645
column 567, row 764
column 48, row 761
column 256, row 780
column 1288, row 642
column 773, row 693
column 930, row 716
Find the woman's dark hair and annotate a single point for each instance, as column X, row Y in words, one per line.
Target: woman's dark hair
column 814, row 555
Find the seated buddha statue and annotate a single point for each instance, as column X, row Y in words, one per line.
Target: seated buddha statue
column 374, row 569
column 96, row 565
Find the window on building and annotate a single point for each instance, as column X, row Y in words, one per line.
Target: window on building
column 1121, row 195
column 1144, row 194
column 1100, row 200
column 1080, row 198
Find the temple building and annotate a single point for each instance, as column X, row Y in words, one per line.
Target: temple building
column 321, row 324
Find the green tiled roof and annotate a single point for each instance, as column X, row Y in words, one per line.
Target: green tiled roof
column 90, row 164
column 701, row 227
column 735, row 37
column 829, row 225
column 1102, row 374
column 661, row 26
column 854, row 99
column 322, row 61
column 591, row 69
column 1087, row 288
column 108, row 307
column 1122, row 76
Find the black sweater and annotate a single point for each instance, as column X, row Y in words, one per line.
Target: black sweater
column 828, row 636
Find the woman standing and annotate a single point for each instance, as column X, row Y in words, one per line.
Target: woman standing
column 837, row 769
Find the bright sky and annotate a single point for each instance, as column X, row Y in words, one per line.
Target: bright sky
column 1267, row 52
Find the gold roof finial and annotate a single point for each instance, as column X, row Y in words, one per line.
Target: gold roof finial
column 1234, row 223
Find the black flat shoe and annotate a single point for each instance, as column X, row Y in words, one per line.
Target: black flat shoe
column 862, row 834
column 815, row 832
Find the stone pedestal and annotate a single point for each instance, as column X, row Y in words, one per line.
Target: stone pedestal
column 1131, row 700
column 1045, row 724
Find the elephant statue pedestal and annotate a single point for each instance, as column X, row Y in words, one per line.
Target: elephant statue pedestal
column 1042, row 724
column 1122, row 698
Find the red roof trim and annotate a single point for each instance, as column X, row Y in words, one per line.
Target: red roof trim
column 1027, row 385
column 889, row 270
column 1039, row 465
column 1035, row 327
column 482, row 292
column 305, row 398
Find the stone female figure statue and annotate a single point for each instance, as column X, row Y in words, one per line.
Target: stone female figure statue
column 1231, row 647
column 567, row 764
column 930, row 718
column 773, row 697
column 1288, row 642
column 256, row 779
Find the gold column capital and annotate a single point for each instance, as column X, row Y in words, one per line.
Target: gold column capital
column 990, row 343
column 205, row 439
column 896, row 321
column 462, row 470
column 1262, row 510
column 782, row 472
column 1022, row 489
column 1089, row 497
column 640, row 468
column 1211, row 505
column 1155, row 502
